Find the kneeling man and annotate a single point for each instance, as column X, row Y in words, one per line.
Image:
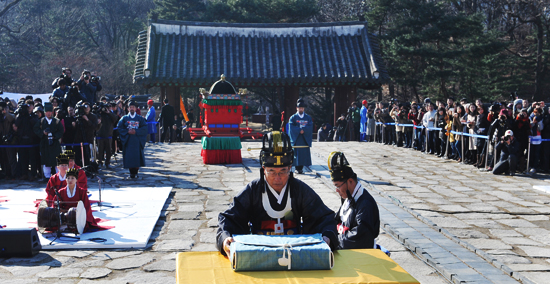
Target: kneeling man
column 276, row 203
column 358, row 219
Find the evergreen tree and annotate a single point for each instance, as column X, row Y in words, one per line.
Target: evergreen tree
column 180, row 10
column 261, row 11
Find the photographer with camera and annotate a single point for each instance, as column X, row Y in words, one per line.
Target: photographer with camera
column 60, row 91
column 87, row 89
column 105, row 134
column 96, row 82
column 73, row 96
column 8, row 160
column 65, row 77
column 24, row 122
column 50, row 130
column 509, row 150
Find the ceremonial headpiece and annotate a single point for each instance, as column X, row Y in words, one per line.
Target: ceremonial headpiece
column 69, row 154
column 340, row 170
column 132, row 103
column 300, row 103
column 276, row 150
column 364, row 102
column 62, row 159
column 150, row 102
column 73, row 172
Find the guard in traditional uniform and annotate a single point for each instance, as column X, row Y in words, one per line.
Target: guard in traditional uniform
column 133, row 133
column 301, row 131
column 50, row 130
column 358, row 219
column 276, row 203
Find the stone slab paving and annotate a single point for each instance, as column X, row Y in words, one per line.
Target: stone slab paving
column 500, row 218
column 189, row 219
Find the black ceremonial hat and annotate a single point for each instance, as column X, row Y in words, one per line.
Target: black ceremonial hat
column 73, row 172
column 222, row 87
column 62, row 159
column 340, row 170
column 300, row 103
column 132, row 103
column 276, row 150
column 48, row 106
column 70, row 154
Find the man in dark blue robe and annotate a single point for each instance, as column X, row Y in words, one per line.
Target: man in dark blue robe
column 300, row 131
column 276, row 203
column 132, row 129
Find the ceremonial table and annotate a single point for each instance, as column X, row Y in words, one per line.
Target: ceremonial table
column 351, row 266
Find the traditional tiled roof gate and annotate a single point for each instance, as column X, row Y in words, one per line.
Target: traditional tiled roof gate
column 195, row 54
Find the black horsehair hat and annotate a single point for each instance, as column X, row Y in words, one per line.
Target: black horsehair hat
column 73, row 172
column 62, row 159
column 300, row 103
column 340, row 170
column 276, row 150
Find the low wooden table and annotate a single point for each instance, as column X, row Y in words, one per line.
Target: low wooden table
column 351, row 266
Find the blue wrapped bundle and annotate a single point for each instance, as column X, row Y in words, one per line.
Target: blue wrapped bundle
column 280, row 252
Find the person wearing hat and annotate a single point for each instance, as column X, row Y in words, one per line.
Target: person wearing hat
column 151, row 125
column 509, row 150
column 132, row 129
column 276, row 203
column 82, row 180
column 58, row 180
column 358, row 218
column 301, row 133
column 71, row 194
column 50, row 130
column 8, row 160
column 166, row 119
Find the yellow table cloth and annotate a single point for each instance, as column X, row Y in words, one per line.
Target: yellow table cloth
column 351, row 266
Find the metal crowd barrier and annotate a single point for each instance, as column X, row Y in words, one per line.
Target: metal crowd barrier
column 461, row 134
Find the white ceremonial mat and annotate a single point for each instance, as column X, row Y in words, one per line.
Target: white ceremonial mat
column 133, row 212
column 545, row 188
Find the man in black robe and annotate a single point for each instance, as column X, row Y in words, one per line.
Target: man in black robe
column 358, row 219
column 166, row 120
column 276, row 203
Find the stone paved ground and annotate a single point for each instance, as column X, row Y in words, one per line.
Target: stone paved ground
column 502, row 216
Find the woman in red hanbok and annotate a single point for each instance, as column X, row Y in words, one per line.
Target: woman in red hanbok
column 71, row 194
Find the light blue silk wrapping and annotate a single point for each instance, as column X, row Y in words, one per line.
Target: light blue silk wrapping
column 265, row 253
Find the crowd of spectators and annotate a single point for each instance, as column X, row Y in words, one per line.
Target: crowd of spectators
column 89, row 126
column 490, row 136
